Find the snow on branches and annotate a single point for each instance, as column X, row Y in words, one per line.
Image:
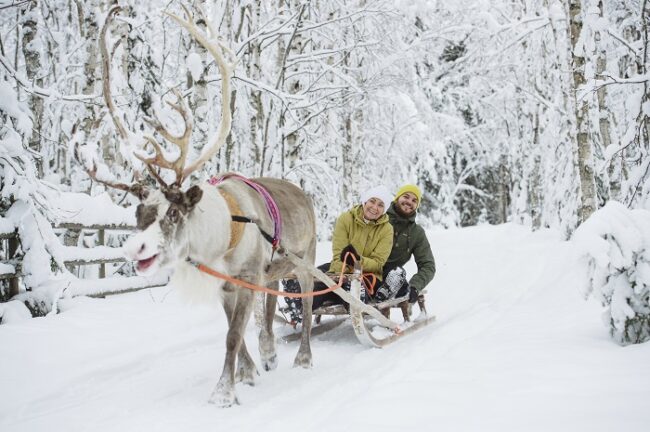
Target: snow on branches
column 615, row 242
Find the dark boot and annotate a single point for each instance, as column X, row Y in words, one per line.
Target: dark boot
column 421, row 303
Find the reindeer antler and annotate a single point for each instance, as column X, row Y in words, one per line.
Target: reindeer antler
column 106, row 74
column 226, row 66
column 90, row 166
column 218, row 50
column 182, row 141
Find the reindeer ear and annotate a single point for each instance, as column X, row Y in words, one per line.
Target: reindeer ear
column 193, row 196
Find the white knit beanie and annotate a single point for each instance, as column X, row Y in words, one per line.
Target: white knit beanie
column 380, row 192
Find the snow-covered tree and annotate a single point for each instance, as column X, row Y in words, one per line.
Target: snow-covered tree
column 615, row 242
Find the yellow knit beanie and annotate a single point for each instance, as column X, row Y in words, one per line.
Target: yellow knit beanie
column 409, row 188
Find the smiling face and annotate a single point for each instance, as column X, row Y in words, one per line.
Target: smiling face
column 373, row 209
column 161, row 222
column 407, row 203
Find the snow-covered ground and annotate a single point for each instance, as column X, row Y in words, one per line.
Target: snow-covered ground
column 514, row 348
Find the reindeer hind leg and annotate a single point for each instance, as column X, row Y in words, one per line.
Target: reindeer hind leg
column 303, row 357
column 267, row 350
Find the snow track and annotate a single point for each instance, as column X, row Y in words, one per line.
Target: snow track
column 514, row 347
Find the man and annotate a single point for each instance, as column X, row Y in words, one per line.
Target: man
column 409, row 240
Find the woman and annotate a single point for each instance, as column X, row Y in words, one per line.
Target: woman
column 364, row 234
column 361, row 233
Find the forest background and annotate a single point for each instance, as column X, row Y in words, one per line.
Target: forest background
column 533, row 111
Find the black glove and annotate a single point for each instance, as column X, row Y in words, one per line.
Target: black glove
column 349, row 260
column 413, row 295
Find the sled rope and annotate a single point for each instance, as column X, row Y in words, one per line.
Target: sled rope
column 254, row 287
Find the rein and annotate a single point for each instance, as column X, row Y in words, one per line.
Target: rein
column 254, row 287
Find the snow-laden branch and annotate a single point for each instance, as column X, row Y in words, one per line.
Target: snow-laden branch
column 314, row 55
column 263, row 34
column 348, row 17
column 281, row 29
column 280, row 95
column 522, row 22
column 336, row 72
column 14, row 3
column 622, row 40
column 611, row 80
column 284, row 97
column 39, row 91
column 283, row 61
column 525, row 34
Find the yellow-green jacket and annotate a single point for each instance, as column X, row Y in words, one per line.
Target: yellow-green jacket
column 372, row 240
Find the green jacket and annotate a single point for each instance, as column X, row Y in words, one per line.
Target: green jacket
column 410, row 239
column 372, row 240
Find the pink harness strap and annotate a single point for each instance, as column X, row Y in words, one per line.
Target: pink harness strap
column 271, row 206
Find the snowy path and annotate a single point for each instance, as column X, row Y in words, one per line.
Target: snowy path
column 515, row 347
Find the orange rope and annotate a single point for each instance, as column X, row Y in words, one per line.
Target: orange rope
column 368, row 278
column 255, row 287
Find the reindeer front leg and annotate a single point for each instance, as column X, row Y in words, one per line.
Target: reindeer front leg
column 223, row 394
column 246, row 370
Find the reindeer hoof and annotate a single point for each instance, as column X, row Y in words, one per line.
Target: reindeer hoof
column 223, row 400
column 246, row 376
column 270, row 363
column 303, row 361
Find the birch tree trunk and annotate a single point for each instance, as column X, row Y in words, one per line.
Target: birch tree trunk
column 581, row 107
column 351, row 151
column 89, row 30
column 31, row 51
column 199, row 88
column 253, row 68
column 535, row 187
column 600, row 54
column 290, row 142
column 351, row 155
column 503, row 189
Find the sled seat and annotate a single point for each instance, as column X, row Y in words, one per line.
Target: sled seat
column 384, row 307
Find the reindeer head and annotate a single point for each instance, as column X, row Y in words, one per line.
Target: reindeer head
column 163, row 213
column 162, row 223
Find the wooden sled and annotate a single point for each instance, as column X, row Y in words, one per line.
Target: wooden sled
column 370, row 325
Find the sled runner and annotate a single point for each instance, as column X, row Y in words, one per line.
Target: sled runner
column 370, row 326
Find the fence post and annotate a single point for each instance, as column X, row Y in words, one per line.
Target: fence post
column 71, row 238
column 102, row 266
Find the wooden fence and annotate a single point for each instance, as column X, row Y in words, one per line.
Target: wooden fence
column 11, row 268
column 74, row 257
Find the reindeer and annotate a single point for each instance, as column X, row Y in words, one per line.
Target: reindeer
column 207, row 224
